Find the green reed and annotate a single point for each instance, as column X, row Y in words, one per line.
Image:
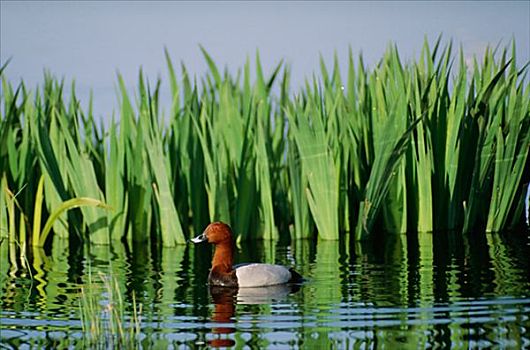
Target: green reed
column 400, row 147
column 103, row 319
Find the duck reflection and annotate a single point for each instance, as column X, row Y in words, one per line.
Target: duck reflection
column 225, row 300
column 265, row 295
column 223, row 313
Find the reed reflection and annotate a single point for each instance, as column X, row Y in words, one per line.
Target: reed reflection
column 434, row 290
column 225, row 301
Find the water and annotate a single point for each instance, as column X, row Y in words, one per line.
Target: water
column 436, row 291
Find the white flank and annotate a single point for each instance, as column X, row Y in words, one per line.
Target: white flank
column 257, row 275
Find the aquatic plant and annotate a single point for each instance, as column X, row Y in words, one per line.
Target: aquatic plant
column 102, row 314
column 399, row 147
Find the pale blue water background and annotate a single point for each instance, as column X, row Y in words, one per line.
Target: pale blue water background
column 90, row 41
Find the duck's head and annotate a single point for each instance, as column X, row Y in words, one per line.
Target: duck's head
column 215, row 233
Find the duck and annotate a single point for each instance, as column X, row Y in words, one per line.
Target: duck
column 223, row 273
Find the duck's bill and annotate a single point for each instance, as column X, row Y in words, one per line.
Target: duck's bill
column 200, row 238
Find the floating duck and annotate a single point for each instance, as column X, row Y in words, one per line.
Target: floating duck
column 224, row 274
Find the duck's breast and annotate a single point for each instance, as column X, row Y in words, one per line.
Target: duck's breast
column 257, row 275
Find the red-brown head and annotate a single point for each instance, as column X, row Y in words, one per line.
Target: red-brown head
column 219, row 234
column 215, row 233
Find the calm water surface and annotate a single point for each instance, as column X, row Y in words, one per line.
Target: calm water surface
column 435, row 291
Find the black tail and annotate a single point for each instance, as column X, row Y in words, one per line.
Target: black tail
column 295, row 276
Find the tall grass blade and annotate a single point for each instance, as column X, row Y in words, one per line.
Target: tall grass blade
column 37, row 213
column 3, row 208
column 319, row 167
column 67, row 205
column 390, row 155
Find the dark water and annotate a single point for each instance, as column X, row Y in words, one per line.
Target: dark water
column 437, row 291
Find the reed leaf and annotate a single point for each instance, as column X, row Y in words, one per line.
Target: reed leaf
column 511, row 158
column 86, row 186
column 389, row 156
column 322, row 189
column 37, row 213
column 3, row 208
column 170, row 224
column 115, row 191
column 67, row 205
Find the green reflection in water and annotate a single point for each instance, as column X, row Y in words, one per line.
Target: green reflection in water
column 421, row 291
column 323, row 296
